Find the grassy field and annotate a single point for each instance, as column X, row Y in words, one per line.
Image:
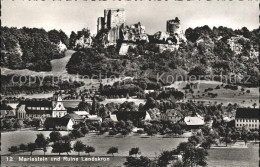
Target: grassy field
column 224, row 157
column 225, row 96
column 235, row 157
column 149, row 146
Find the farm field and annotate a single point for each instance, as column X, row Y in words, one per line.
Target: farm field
column 225, row 96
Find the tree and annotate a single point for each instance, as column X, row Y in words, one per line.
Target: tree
column 31, row 147
column 18, row 124
column 57, row 147
column 84, row 106
column 79, row 147
column 67, row 147
column 206, row 145
column 139, row 162
column 55, row 136
column 36, row 122
column 151, row 131
column 134, row 151
column 124, row 132
column 23, row 147
column 84, row 130
column 227, row 137
column 112, row 150
column 76, row 133
column 66, row 138
column 226, row 140
column 13, row 149
column 165, row 158
column 198, row 71
column 256, row 136
column 8, row 124
column 150, row 103
column 93, row 106
column 41, row 141
column 89, row 149
column 254, row 105
column 195, row 140
column 193, row 156
column 245, row 140
column 72, row 39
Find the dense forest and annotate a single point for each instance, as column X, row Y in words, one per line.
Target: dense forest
column 207, row 52
column 30, row 48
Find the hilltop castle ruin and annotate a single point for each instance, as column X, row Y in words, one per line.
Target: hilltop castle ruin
column 110, row 24
column 112, row 30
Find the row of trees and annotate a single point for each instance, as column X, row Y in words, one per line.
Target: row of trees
column 14, row 123
column 187, row 154
column 12, row 84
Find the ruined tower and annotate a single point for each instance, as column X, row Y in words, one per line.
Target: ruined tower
column 173, row 26
column 111, row 22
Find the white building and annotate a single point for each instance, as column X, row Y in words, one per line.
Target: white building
column 247, row 117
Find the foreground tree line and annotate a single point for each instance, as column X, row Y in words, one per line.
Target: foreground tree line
column 191, row 155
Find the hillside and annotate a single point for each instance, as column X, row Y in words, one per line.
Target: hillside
column 215, row 52
column 31, row 48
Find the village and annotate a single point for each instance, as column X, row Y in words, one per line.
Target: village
column 133, row 119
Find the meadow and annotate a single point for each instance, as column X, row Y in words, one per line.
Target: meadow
column 225, row 96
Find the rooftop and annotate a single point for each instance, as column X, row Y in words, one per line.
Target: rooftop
column 81, row 112
column 36, row 103
column 251, row 113
column 194, row 121
column 172, row 112
column 73, row 116
column 52, row 122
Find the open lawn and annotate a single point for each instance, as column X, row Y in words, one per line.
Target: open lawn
column 235, row 157
column 149, row 146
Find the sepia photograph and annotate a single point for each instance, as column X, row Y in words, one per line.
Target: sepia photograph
column 130, row 83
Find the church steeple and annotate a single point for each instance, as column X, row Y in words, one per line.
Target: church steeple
column 58, row 108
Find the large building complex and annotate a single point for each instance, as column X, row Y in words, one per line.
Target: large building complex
column 40, row 108
column 247, row 117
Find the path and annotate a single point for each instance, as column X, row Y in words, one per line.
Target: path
column 59, row 65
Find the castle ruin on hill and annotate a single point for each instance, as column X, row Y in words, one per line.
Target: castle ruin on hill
column 112, row 30
column 108, row 27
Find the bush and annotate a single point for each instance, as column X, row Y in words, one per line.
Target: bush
column 13, row 149
column 140, row 131
column 112, row 132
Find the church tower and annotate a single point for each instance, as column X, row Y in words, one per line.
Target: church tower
column 58, row 108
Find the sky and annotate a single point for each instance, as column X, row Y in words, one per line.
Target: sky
column 76, row 15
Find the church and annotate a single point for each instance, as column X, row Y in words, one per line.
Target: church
column 42, row 108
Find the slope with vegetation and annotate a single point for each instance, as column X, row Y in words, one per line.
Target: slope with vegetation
column 207, row 52
column 30, row 48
